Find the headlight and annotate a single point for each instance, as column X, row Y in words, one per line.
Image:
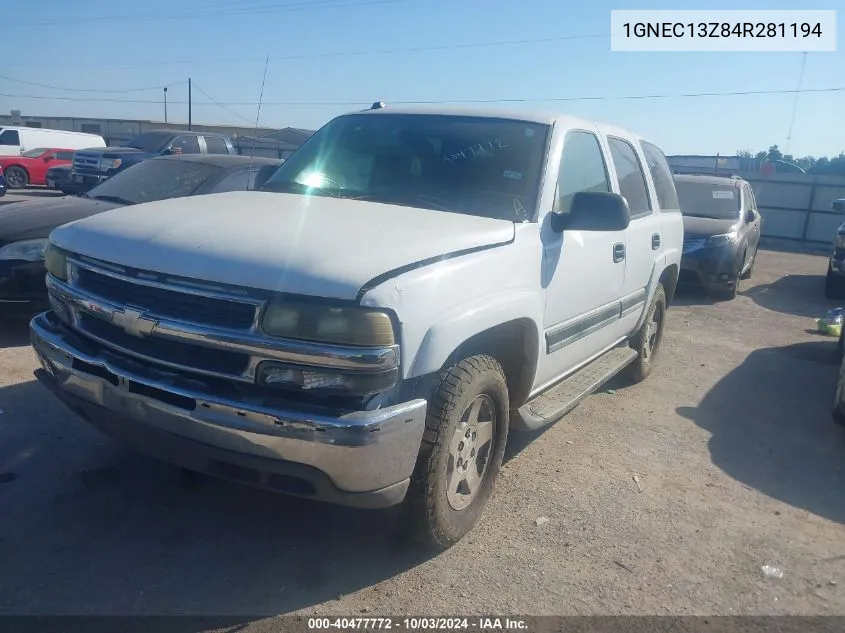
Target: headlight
column 342, row 326
column 839, row 242
column 56, row 262
column 27, row 250
column 723, row 239
column 109, row 163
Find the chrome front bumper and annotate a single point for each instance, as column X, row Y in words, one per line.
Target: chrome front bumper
column 359, row 458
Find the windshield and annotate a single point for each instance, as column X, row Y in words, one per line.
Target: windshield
column 151, row 142
column 707, row 200
column 473, row 165
column 35, row 153
column 154, row 180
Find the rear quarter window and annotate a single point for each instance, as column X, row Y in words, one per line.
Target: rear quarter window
column 10, row 137
column 661, row 174
column 632, row 179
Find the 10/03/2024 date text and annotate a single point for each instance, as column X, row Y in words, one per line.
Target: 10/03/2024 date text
column 416, row 624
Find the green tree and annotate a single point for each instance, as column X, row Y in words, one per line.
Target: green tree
column 774, row 153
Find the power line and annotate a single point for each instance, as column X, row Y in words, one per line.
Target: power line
column 384, row 51
column 217, row 103
column 220, row 12
column 795, row 105
column 360, row 102
column 52, row 87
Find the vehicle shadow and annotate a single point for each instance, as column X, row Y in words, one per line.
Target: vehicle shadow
column 14, row 331
column 38, row 193
column 82, row 511
column 689, row 294
column 798, row 295
column 772, row 430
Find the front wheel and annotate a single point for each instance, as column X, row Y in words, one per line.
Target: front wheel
column 647, row 340
column 834, row 285
column 461, row 453
column 16, row 177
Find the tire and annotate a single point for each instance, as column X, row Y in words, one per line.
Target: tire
column 441, row 505
column 647, row 340
column 834, row 286
column 747, row 274
column 840, row 345
column 16, row 177
column 836, row 412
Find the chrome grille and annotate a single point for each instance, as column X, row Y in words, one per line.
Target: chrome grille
column 83, row 162
column 173, row 304
column 169, row 352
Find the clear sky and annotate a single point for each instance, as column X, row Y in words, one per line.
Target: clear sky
column 98, row 48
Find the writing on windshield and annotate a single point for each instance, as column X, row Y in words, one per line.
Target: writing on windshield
column 473, row 165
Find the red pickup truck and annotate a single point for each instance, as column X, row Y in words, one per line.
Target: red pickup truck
column 31, row 167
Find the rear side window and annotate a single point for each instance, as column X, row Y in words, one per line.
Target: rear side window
column 632, row 182
column 186, row 145
column 582, row 168
column 216, row 145
column 664, row 183
column 10, row 137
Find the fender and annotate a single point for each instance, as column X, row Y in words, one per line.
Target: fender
column 660, row 264
column 657, row 268
column 464, row 321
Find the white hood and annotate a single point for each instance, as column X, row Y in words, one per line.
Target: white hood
column 314, row 245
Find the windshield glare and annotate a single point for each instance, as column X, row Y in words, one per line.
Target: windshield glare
column 706, row 200
column 473, row 165
column 154, row 180
column 35, row 153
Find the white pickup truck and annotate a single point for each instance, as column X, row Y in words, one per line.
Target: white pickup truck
column 405, row 289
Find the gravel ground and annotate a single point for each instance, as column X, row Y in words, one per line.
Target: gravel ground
column 736, row 460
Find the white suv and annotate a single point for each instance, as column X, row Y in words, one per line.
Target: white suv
column 407, row 288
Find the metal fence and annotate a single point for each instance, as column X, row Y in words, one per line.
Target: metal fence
column 796, row 208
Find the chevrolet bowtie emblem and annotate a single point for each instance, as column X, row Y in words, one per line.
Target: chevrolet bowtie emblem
column 134, row 322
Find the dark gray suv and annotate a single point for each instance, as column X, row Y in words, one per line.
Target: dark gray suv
column 721, row 232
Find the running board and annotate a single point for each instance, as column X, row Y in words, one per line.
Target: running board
column 550, row 406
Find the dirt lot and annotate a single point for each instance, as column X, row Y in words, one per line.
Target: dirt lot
column 738, row 462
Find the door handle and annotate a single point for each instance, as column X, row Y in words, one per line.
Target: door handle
column 618, row 252
column 655, row 241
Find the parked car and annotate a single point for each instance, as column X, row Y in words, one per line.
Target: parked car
column 30, row 168
column 92, row 166
column 721, row 232
column 2, row 183
column 58, row 178
column 14, row 140
column 834, row 283
column 365, row 330
column 25, row 226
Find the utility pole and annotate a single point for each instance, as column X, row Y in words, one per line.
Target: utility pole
column 189, row 103
column 165, row 104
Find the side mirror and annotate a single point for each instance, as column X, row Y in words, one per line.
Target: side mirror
column 594, row 211
column 750, row 216
column 263, row 175
column 839, row 205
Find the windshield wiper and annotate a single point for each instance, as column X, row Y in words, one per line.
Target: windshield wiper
column 117, row 199
column 699, row 215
